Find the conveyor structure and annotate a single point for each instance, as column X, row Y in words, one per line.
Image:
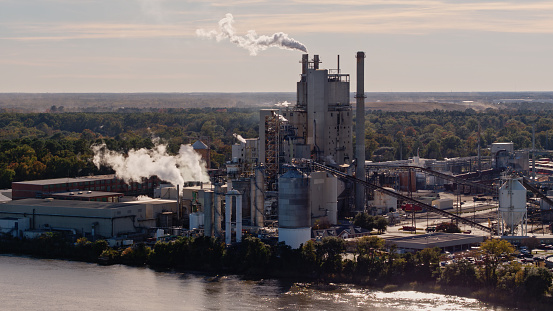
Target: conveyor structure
column 428, row 207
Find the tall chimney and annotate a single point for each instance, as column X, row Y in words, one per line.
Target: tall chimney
column 304, row 63
column 360, row 132
column 316, row 62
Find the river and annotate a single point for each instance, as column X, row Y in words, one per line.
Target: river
column 41, row 284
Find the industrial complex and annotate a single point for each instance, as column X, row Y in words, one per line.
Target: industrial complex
column 304, row 177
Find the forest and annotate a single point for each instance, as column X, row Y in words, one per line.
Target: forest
column 57, row 144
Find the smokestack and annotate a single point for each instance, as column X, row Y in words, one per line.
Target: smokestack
column 304, row 63
column 360, row 132
column 316, row 62
column 338, row 64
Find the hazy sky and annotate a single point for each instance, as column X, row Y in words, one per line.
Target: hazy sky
column 152, row 45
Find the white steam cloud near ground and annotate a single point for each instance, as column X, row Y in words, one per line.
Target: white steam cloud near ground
column 239, row 138
column 185, row 166
column 251, row 41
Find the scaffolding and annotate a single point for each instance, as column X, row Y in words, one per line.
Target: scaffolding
column 272, row 130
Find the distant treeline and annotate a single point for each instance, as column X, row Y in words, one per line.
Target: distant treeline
column 52, row 145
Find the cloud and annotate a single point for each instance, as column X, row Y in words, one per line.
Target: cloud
column 60, row 32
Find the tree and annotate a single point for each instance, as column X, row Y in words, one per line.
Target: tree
column 448, row 227
column 380, row 224
column 537, row 281
column 494, row 251
column 369, row 256
column 460, row 273
column 330, row 250
column 428, row 260
column 369, row 245
column 364, row 220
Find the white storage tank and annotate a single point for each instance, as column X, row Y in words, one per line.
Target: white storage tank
column 512, row 204
column 196, row 220
column 294, row 214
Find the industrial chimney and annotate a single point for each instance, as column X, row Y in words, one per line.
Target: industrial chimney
column 360, row 132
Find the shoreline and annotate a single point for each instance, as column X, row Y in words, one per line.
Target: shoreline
column 254, row 260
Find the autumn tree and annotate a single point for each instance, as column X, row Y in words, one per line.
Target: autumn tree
column 494, row 251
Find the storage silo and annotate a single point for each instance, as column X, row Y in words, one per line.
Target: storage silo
column 209, row 212
column 257, row 197
column 512, row 207
column 331, row 198
column 294, row 215
column 233, row 200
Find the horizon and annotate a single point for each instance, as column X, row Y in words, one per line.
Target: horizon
column 168, row 46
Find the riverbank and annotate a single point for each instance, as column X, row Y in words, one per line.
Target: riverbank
column 319, row 263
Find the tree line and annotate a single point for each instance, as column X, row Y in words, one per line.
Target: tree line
column 494, row 275
column 53, row 145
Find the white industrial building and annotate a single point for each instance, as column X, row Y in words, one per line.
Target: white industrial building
column 99, row 219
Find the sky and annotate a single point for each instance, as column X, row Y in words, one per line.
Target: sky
column 60, row 46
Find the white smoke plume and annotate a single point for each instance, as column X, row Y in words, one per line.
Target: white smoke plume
column 283, row 104
column 187, row 165
column 143, row 198
column 239, row 137
column 251, row 41
column 282, row 118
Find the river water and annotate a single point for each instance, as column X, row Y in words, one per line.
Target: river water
column 40, row 284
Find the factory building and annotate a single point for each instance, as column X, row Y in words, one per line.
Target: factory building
column 88, row 218
column 107, row 183
column 322, row 117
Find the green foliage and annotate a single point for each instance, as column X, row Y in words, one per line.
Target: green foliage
column 460, row 273
column 448, row 227
column 137, row 254
column 370, row 257
column 493, row 252
column 249, row 256
column 536, row 281
column 330, row 253
column 509, row 276
column 366, row 221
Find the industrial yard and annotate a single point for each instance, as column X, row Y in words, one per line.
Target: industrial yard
column 303, row 178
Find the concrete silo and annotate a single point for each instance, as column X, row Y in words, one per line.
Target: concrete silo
column 294, row 213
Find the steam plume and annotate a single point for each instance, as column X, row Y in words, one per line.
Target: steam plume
column 251, row 41
column 283, row 104
column 187, row 165
column 239, row 137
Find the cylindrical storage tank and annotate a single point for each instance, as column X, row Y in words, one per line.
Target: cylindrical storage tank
column 208, row 212
column 512, row 202
column 257, row 197
column 294, row 214
column 217, row 217
column 331, row 198
column 294, row 237
column 408, row 181
column 293, row 203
